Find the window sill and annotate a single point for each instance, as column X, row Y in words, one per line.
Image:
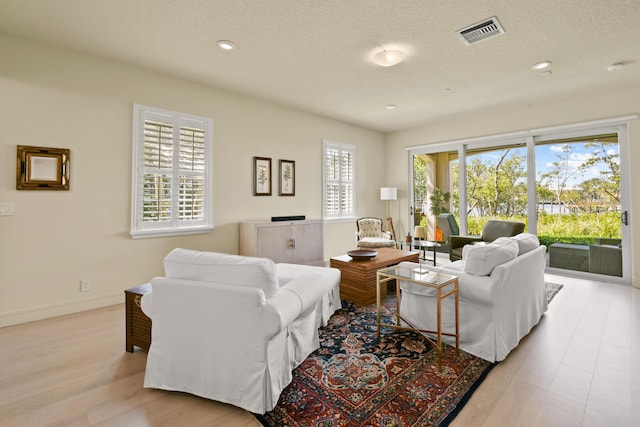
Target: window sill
column 143, row 234
column 339, row 219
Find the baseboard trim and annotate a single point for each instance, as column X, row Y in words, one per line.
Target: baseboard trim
column 46, row 311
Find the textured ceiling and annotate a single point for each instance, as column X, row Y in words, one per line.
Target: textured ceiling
column 314, row 55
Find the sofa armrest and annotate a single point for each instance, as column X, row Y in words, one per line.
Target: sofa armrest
column 477, row 289
column 306, row 290
column 460, row 241
column 283, row 309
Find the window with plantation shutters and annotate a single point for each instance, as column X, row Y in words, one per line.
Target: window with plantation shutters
column 171, row 170
column 339, row 180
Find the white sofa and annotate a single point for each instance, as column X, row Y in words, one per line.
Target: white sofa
column 501, row 296
column 232, row 328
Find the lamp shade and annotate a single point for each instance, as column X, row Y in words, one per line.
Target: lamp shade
column 420, row 232
column 388, row 193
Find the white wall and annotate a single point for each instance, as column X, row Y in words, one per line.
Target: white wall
column 595, row 104
column 57, row 98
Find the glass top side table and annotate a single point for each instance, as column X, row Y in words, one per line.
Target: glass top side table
column 424, row 246
column 444, row 285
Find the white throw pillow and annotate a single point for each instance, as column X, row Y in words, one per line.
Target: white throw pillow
column 222, row 268
column 480, row 260
column 526, row 242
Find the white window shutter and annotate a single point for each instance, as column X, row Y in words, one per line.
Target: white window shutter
column 172, row 162
column 339, row 180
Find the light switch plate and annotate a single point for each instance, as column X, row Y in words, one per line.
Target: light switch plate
column 6, row 208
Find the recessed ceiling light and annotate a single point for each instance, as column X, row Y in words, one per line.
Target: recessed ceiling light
column 615, row 67
column 391, row 106
column 226, row 45
column 389, row 58
column 541, row 65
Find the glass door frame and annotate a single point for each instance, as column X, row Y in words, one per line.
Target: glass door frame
column 531, row 137
column 625, row 192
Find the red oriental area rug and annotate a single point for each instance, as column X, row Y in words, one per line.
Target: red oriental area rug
column 350, row 381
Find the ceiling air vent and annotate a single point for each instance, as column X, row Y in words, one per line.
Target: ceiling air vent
column 480, row 31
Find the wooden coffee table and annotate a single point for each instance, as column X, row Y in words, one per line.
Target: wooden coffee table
column 358, row 278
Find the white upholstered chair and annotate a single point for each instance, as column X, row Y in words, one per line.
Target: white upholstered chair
column 370, row 235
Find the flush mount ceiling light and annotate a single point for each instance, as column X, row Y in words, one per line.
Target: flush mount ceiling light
column 391, row 106
column 541, row 65
column 389, row 57
column 226, row 45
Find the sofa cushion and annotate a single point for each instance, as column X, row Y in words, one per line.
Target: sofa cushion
column 480, row 260
column 526, row 242
column 222, row 268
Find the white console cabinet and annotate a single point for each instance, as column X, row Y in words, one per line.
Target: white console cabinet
column 295, row 242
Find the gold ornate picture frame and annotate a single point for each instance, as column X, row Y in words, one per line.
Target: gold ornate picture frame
column 42, row 168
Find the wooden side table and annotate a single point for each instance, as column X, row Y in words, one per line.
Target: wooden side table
column 138, row 325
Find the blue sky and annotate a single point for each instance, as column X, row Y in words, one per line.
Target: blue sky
column 546, row 156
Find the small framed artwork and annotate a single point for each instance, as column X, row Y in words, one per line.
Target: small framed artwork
column 261, row 176
column 42, row 168
column 287, row 178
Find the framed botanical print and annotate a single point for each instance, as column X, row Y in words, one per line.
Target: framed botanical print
column 287, row 178
column 261, row 176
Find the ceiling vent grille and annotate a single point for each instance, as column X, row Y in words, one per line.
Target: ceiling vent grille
column 480, row 31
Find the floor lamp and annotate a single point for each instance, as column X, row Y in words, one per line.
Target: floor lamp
column 388, row 194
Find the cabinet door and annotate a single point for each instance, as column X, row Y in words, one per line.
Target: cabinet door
column 308, row 244
column 274, row 243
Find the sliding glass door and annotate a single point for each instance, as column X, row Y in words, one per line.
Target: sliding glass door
column 579, row 203
column 496, row 185
column 567, row 186
column 432, row 193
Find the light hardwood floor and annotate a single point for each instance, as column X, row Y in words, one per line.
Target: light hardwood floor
column 579, row 367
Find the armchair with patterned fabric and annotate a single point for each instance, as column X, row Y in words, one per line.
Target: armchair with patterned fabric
column 370, row 235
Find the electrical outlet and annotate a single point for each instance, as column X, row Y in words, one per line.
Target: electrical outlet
column 6, row 208
column 85, row 285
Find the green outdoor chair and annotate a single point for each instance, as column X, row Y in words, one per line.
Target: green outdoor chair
column 448, row 225
column 493, row 229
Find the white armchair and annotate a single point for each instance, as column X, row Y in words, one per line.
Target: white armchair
column 232, row 328
column 370, row 235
